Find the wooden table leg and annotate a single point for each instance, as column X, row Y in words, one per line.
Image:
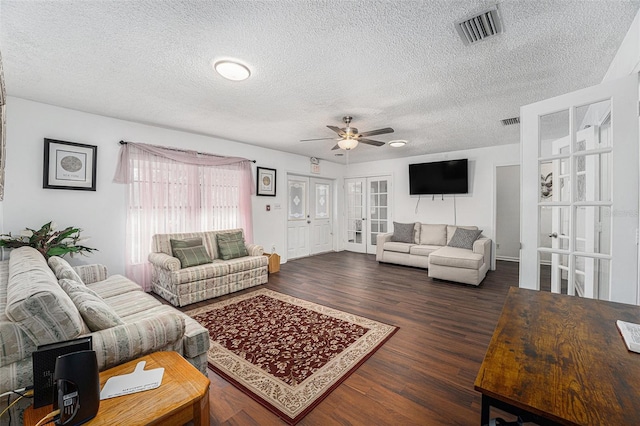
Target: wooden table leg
column 201, row 411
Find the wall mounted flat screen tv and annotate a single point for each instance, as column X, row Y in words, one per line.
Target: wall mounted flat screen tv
column 441, row 177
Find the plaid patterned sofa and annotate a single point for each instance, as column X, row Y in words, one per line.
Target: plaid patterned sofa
column 183, row 286
column 44, row 303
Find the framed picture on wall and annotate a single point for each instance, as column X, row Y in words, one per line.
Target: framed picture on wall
column 69, row 165
column 266, row 182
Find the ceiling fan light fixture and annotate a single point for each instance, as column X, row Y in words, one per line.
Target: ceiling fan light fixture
column 348, row 144
column 398, row 143
column 231, row 70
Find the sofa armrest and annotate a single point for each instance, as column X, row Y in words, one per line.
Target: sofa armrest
column 164, row 261
column 125, row 342
column 91, row 273
column 380, row 240
column 483, row 246
column 254, row 249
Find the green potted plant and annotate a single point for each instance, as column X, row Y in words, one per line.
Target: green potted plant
column 48, row 240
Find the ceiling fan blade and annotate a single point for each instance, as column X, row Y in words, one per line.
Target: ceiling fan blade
column 377, row 132
column 371, row 142
column 316, row 139
column 335, row 147
column 338, row 130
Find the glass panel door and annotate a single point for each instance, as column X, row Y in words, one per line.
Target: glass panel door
column 574, row 239
column 355, row 206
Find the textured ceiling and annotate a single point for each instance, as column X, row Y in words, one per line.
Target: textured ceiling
column 387, row 63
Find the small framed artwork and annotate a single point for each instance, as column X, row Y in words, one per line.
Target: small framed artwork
column 266, row 182
column 69, row 165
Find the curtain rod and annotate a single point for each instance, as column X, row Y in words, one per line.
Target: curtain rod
column 182, row 150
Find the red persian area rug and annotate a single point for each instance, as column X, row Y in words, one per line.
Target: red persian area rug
column 287, row 353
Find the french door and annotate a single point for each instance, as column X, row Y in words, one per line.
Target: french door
column 368, row 211
column 309, row 216
column 580, row 192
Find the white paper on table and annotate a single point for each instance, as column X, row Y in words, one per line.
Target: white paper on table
column 138, row 381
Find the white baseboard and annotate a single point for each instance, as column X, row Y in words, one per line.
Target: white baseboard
column 508, row 258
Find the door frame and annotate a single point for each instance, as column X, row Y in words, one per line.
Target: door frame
column 495, row 208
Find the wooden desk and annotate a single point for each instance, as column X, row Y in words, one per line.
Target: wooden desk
column 182, row 397
column 562, row 359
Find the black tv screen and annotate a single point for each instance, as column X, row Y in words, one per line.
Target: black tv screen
column 442, row 177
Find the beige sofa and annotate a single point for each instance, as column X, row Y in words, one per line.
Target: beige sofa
column 38, row 306
column 183, row 286
column 428, row 248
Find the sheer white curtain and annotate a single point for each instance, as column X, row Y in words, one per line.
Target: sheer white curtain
column 171, row 190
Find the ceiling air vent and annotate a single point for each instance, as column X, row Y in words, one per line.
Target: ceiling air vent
column 480, row 27
column 510, row 121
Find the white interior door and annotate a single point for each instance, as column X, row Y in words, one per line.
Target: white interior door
column 581, row 240
column 368, row 211
column 298, row 217
column 320, row 198
column 356, row 214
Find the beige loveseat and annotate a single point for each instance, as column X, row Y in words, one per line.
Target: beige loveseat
column 183, row 286
column 39, row 304
column 428, row 247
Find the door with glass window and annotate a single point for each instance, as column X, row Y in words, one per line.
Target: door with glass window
column 580, row 192
column 309, row 216
column 368, row 202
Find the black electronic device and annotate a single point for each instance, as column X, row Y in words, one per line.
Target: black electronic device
column 76, row 385
column 441, row 177
column 44, row 363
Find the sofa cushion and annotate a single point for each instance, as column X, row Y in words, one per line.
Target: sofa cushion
column 451, row 229
column 36, row 302
column 62, row 269
column 397, row 247
column 231, row 245
column 464, row 238
column 456, row 257
column 114, row 285
column 433, row 235
column 217, row 268
column 95, row 312
column 192, row 256
column 403, row 232
column 423, row 250
column 184, row 243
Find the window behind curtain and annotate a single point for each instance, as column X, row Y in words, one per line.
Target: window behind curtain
column 167, row 196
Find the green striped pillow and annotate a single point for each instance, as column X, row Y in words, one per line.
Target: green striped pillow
column 192, row 256
column 231, row 245
column 187, row 242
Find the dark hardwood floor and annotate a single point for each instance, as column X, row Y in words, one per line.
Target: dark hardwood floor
column 423, row 375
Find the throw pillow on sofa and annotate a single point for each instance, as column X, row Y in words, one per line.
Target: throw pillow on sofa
column 231, row 245
column 62, row 269
column 403, row 232
column 464, row 238
column 94, row 311
column 185, row 243
column 192, row 256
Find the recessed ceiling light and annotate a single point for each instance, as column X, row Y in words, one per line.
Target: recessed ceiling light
column 397, row 143
column 231, row 70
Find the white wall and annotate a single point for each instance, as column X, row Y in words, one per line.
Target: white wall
column 474, row 208
column 102, row 214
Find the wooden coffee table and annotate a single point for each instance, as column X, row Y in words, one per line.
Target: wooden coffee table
column 182, row 397
column 560, row 359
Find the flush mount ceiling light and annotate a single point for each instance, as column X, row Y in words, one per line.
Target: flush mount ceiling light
column 398, row 143
column 233, row 71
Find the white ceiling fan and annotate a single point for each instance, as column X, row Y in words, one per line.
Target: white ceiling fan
column 350, row 137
